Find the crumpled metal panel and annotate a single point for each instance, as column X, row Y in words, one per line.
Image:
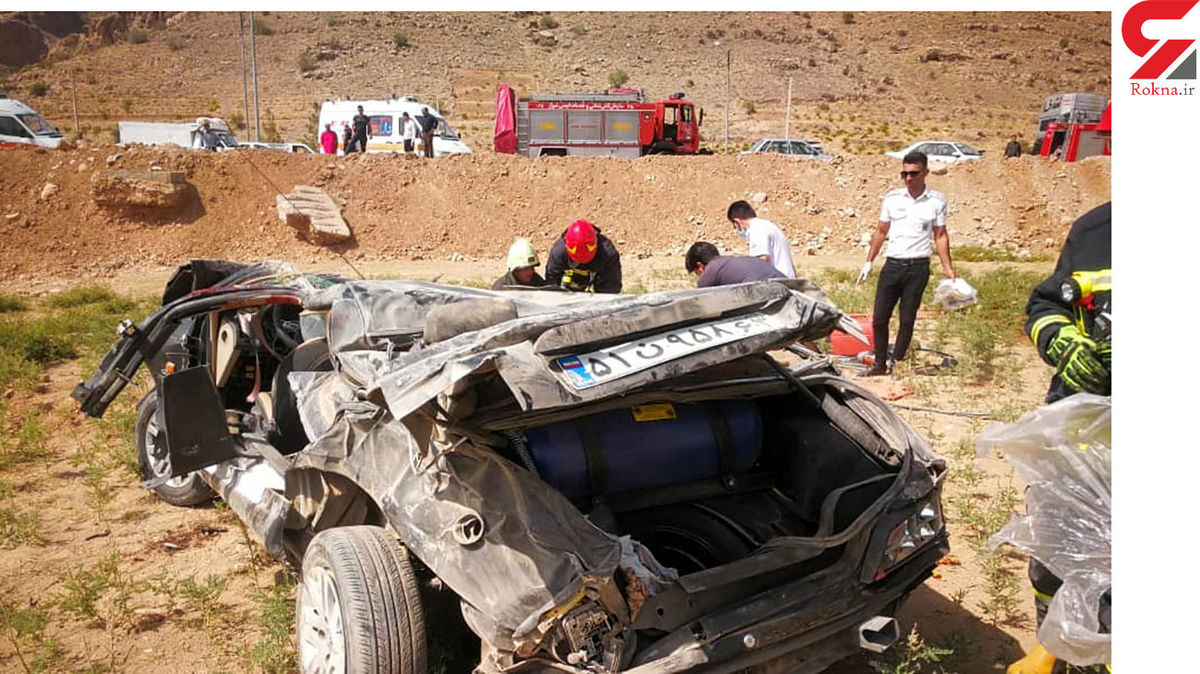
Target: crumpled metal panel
column 535, row 550
column 363, row 313
column 506, row 542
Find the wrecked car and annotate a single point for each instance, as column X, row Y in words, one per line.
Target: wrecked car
column 646, row 483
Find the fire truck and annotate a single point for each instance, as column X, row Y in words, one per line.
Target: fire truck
column 1067, row 127
column 619, row 123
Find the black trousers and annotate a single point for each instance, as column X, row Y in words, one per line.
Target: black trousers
column 902, row 280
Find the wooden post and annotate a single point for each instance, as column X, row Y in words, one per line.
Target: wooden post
column 74, row 105
column 728, row 61
column 787, row 119
column 254, row 75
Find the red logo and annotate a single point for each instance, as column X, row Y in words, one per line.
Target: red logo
column 1160, row 60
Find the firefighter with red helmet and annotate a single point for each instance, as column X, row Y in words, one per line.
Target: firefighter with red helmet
column 584, row 260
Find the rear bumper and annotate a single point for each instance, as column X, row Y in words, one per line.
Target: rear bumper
column 812, row 623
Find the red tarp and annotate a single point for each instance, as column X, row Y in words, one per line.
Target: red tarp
column 504, row 141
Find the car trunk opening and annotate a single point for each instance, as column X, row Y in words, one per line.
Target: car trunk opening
column 705, row 483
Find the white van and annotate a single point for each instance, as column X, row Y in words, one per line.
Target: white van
column 385, row 126
column 20, row 125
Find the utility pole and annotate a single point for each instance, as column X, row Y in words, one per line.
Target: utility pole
column 254, row 72
column 74, row 104
column 728, row 61
column 787, row 120
column 245, row 86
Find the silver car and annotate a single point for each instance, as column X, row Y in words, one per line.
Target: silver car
column 519, row 481
column 804, row 149
column 944, row 151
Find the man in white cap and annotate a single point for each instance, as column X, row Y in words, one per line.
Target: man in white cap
column 522, row 267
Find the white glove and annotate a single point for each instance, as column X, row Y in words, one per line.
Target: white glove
column 864, row 273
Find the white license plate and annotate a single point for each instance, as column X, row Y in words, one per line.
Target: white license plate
column 597, row 367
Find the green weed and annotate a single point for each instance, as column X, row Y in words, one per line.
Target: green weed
column 28, row 344
column 25, row 631
column 1003, row 589
column 204, row 597
column 11, row 304
column 20, row 527
column 982, row 254
column 84, row 588
column 77, row 297
column 275, row 651
column 27, row 445
column 850, row 297
column 617, row 78
column 400, row 40
column 911, row 655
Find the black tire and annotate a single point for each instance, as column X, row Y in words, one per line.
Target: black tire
column 376, row 609
column 151, row 443
column 686, row 538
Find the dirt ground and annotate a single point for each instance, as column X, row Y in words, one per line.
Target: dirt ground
column 469, row 208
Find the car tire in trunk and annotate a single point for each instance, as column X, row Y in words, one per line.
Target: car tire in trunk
column 151, row 441
column 358, row 608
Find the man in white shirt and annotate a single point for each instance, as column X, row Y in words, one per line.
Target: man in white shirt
column 408, row 132
column 765, row 238
column 913, row 220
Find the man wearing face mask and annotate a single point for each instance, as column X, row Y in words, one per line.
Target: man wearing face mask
column 766, row 240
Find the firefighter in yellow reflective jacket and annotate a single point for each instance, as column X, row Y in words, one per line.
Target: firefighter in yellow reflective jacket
column 1069, row 320
column 1070, row 313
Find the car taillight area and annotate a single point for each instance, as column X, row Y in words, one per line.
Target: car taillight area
column 912, row 533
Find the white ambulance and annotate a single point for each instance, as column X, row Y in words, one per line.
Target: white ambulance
column 20, row 125
column 385, row 135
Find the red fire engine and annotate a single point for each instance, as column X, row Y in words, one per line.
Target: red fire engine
column 1067, row 127
column 615, row 124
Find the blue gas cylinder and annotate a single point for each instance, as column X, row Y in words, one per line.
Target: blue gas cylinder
column 646, row 446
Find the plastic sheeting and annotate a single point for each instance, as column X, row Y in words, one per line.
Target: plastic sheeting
column 1063, row 452
column 955, row 294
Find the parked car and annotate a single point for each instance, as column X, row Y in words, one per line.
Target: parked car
column 806, row 149
column 590, row 483
column 947, row 152
column 21, row 125
column 286, row 147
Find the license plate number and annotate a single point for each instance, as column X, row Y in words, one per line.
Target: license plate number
column 597, row 367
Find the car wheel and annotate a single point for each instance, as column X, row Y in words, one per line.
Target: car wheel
column 358, row 608
column 151, row 440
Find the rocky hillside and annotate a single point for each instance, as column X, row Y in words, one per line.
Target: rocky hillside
column 861, row 81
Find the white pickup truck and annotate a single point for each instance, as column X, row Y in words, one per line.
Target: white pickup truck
column 185, row 134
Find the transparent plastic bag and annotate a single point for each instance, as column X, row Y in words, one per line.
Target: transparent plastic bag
column 955, row 294
column 1063, row 451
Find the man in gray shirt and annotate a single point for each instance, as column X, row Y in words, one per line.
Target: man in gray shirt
column 715, row 269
